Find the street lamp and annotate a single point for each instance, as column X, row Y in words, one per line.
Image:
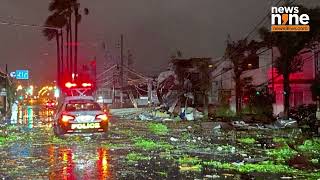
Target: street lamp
column 19, row 88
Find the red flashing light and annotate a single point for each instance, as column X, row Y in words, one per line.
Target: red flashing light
column 246, row 99
column 86, row 84
column 70, row 85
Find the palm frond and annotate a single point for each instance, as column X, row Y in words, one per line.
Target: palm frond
column 55, row 20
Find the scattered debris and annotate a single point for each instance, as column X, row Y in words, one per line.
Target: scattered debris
column 173, row 139
column 212, row 176
column 281, row 123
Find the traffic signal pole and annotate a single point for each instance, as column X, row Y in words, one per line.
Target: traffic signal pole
column 121, row 70
column 58, row 57
column 58, row 31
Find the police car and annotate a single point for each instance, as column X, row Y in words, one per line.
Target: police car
column 79, row 114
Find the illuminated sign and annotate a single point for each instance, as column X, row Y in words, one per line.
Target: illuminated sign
column 22, row 74
column 284, row 19
column 13, row 74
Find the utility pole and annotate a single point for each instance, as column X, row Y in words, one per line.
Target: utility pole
column 61, row 67
column 149, row 92
column 59, row 63
column 272, row 69
column 130, row 59
column 317, row 74
column 121, row 70
column 6, row 90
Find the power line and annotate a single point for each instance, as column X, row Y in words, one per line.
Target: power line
column 254, row 30
column 265, row 17
column 245, row 71
column 257, row 25
column 261, row 21
column 304, row 60
column 269, row 64
column 248, row 35
column 28, row 25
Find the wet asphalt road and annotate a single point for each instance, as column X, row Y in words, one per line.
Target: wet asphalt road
column 130, row 150
column 35, row 153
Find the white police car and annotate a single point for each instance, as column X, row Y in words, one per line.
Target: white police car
column 79, row 114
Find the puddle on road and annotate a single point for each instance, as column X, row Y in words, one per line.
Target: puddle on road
column 33, row 116
column 32, row 152
column 137, row 152
column 75, row 163
column 55, row 162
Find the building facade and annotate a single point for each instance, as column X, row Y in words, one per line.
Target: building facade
column 300, row 82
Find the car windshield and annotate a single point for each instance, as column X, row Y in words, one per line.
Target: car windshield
column 83, row 106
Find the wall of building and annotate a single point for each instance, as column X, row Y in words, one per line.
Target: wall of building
column 300, row 86
column 299, row 83
column 225, row 81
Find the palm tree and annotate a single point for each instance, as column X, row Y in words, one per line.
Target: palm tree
column 62, row 17
column 289, row 45
column 59, row 18
column 77, row 17
column 239, row 52
column 57, row 21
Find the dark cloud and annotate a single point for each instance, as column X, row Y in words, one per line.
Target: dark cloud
column 153, row 30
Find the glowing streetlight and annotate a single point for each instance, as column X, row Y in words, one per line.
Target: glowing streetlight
column 19, row 88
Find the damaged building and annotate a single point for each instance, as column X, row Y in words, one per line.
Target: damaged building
column 185, row 86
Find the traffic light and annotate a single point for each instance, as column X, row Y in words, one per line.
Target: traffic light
column 245, row 99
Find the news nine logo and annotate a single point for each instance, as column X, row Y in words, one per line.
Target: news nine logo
column 289, row 19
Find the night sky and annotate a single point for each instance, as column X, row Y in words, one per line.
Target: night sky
column 153, row 30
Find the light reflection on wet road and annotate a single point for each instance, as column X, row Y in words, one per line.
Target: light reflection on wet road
column 41, row 159
column 31, row 116
column 132, row 150
column 73, row 163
